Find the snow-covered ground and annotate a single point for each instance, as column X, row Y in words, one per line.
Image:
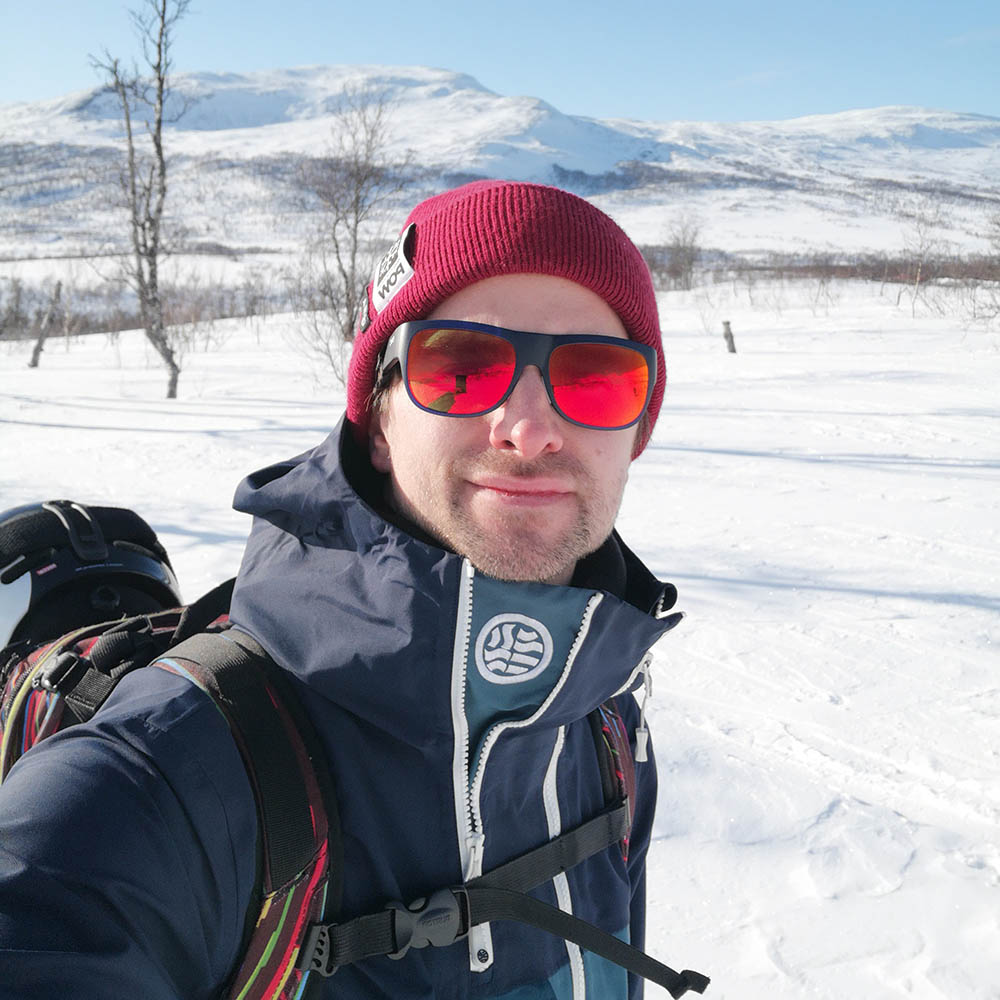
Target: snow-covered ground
column 826, row 720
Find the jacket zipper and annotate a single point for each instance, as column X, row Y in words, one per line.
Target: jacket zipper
column 641, row 732
column 468, row 784
column 471, row 837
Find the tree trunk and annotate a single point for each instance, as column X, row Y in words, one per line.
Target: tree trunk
column 157, row 336
column 916, row 289
column 47, row 323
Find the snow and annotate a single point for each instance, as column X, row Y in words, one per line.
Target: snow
column 826, row 719
column 845, row 179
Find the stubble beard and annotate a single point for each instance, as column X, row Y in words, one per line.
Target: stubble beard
column 518, row 546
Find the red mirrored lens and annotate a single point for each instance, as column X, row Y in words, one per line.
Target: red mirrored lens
column 602, row 385
column 459, row 371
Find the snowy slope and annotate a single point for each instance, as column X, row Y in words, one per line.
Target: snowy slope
column 826, row 719
column 850, row 174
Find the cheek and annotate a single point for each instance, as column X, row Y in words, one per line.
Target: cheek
column 608, row 453
column 418, row 445
column 402, row 435
column 610, row 470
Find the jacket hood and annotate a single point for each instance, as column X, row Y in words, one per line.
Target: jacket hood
column 366, row 614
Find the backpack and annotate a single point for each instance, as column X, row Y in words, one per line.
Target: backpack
column 293, row 940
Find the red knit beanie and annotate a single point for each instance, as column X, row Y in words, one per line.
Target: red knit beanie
column 489, row 228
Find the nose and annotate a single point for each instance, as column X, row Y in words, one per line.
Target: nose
column 526, row 423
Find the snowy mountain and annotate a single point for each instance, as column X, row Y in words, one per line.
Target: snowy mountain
column 824, row 183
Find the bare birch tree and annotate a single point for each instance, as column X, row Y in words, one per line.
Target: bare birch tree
column 12, row 315
column 683, row 247
column 993, row 235
column 672, row 264
column 986, row 294
column 352, row 186
column 143, row 94
column 923, row 217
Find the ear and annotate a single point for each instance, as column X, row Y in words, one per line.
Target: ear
column 378, row 443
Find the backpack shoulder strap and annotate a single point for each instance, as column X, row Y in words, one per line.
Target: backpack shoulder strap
column 299, row 831
column 614, row 757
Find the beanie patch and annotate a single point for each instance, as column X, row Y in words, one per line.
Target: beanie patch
column 394, row 270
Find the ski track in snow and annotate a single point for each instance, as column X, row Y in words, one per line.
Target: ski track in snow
column 826, row 719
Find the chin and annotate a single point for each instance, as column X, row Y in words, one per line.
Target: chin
column 524, row 567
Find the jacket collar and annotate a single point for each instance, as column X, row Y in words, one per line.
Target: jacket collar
column 357, row 607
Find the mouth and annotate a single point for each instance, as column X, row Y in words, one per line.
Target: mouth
column 523, row 492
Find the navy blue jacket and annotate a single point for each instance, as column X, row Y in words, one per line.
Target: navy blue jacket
column 453, row 709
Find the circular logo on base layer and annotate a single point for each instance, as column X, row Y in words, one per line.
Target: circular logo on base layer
column 512, row 648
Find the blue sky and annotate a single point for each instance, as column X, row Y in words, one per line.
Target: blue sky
column 648, row 59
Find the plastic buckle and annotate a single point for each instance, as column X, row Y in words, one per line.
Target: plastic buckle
column 53, row 676
column 439, row 920
column 316, row 954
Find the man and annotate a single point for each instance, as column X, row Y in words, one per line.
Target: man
column 442, row 581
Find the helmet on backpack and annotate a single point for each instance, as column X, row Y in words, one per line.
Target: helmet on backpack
column 64, row 565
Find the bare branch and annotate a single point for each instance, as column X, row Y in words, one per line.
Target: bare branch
column 352, row 185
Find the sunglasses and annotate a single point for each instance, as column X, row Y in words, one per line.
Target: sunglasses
column 462, row 369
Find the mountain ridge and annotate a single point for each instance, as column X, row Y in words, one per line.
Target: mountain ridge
column 314, row 93
column 825, row 182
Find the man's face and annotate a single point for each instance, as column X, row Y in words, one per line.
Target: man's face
column 521, row 492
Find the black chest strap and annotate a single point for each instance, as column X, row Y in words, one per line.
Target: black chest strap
column 448, row 914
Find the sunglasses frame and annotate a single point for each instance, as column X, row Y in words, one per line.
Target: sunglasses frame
column 529, row 349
